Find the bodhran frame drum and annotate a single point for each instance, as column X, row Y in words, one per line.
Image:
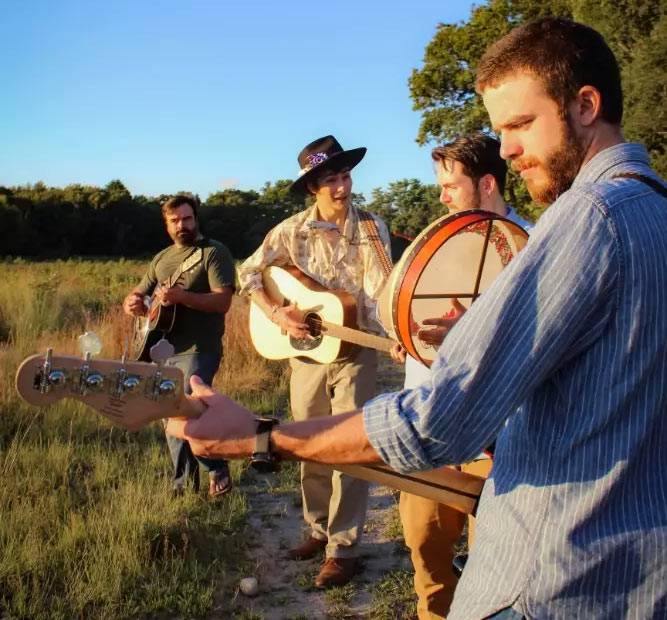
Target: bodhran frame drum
column 457, row 256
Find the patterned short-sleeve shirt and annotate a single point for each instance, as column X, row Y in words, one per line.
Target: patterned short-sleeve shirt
column 343, row 260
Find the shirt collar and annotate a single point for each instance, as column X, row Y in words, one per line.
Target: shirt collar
column 349, row 228
column 606, row 160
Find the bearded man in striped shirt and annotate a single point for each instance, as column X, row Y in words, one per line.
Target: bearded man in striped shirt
column 569, row 345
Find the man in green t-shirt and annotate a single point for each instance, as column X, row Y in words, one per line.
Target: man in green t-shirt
column 203, row 293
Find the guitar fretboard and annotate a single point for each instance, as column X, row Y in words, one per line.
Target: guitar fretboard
column 357, row 337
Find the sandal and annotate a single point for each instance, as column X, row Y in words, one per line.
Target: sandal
column 219, row 483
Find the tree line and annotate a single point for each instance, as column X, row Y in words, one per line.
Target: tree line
column 84, row 220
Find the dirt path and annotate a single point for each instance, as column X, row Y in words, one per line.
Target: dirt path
column 286, row 589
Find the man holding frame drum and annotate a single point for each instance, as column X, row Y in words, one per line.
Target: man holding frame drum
column 471, row 175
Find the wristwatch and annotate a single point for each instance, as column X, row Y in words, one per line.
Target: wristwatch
column 263, row 459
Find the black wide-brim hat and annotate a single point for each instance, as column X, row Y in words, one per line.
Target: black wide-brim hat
column 324, row 154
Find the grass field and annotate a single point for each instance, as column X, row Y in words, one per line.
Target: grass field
column 89, row 528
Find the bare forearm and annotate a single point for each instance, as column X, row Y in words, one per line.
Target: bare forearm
column 339, row 439
column 263, row 300
column 225, row 429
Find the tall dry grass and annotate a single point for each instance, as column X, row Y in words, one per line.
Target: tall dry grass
column 89, row 528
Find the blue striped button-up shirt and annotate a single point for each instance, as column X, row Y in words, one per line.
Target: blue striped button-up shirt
column 570, row 342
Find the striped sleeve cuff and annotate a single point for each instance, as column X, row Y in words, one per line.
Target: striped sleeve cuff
column 392, row 433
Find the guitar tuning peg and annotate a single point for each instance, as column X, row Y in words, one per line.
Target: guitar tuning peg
column 89, row 345
column 126, row 346
column 161, row 351
column 46, row 377
column 125, row 383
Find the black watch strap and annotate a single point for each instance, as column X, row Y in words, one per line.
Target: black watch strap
column 263, row 434
column 263, row 459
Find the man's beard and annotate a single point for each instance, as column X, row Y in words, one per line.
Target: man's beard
column 474, row 202
column 186, row 237
column 561, row 167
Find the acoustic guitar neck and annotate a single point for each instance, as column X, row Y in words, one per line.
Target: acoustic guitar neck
column 355, row 336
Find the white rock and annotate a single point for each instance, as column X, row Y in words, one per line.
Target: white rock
column 249, row 586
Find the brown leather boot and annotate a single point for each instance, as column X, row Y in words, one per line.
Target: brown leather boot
column 307, row 550
column 336, row 572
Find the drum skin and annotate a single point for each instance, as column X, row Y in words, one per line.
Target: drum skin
column 457, row 256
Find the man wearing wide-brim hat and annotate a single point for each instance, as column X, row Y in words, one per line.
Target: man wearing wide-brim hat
column 341, row 247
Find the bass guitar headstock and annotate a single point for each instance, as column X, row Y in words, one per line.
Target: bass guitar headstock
column 130, row 394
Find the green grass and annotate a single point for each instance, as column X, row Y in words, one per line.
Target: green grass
column 89, row 528
column 393, row 597
column 338, row 600
column 393, row 527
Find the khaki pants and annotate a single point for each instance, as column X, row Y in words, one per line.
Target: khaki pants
column 431, row 530
column 334, row 504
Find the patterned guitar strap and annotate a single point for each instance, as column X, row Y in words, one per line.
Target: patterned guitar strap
column 373, row 235
column 185, row 265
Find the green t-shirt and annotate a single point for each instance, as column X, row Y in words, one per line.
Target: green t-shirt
column 194, row 330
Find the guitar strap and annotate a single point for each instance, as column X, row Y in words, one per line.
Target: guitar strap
column 652, row 183
column 173, row 278
column 373, row 235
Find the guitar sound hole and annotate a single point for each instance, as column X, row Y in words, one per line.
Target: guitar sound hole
column 314, row 322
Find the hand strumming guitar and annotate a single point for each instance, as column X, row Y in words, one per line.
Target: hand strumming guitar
column 290, row 319
column 169, row 296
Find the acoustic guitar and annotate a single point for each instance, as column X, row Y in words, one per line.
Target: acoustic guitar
column 331, row 316
column 159, row 319
column 132, row 394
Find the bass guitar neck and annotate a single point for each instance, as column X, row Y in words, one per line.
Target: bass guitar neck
column 133, row 394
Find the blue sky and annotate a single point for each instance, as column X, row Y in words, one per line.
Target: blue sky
column 168, row 95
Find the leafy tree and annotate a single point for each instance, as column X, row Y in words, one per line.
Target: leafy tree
column 636, row 30
column 443, row 88
column 11, row 231
column 277, row 196
column 407, row 206
column 232, row 198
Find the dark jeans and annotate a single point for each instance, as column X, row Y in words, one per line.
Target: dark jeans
column 186, row 465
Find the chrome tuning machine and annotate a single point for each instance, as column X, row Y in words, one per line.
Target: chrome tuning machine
column 125, row 382
column 161, row 387
column 89, row 380
column 48, row 377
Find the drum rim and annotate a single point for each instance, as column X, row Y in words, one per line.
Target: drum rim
column 445, row 227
